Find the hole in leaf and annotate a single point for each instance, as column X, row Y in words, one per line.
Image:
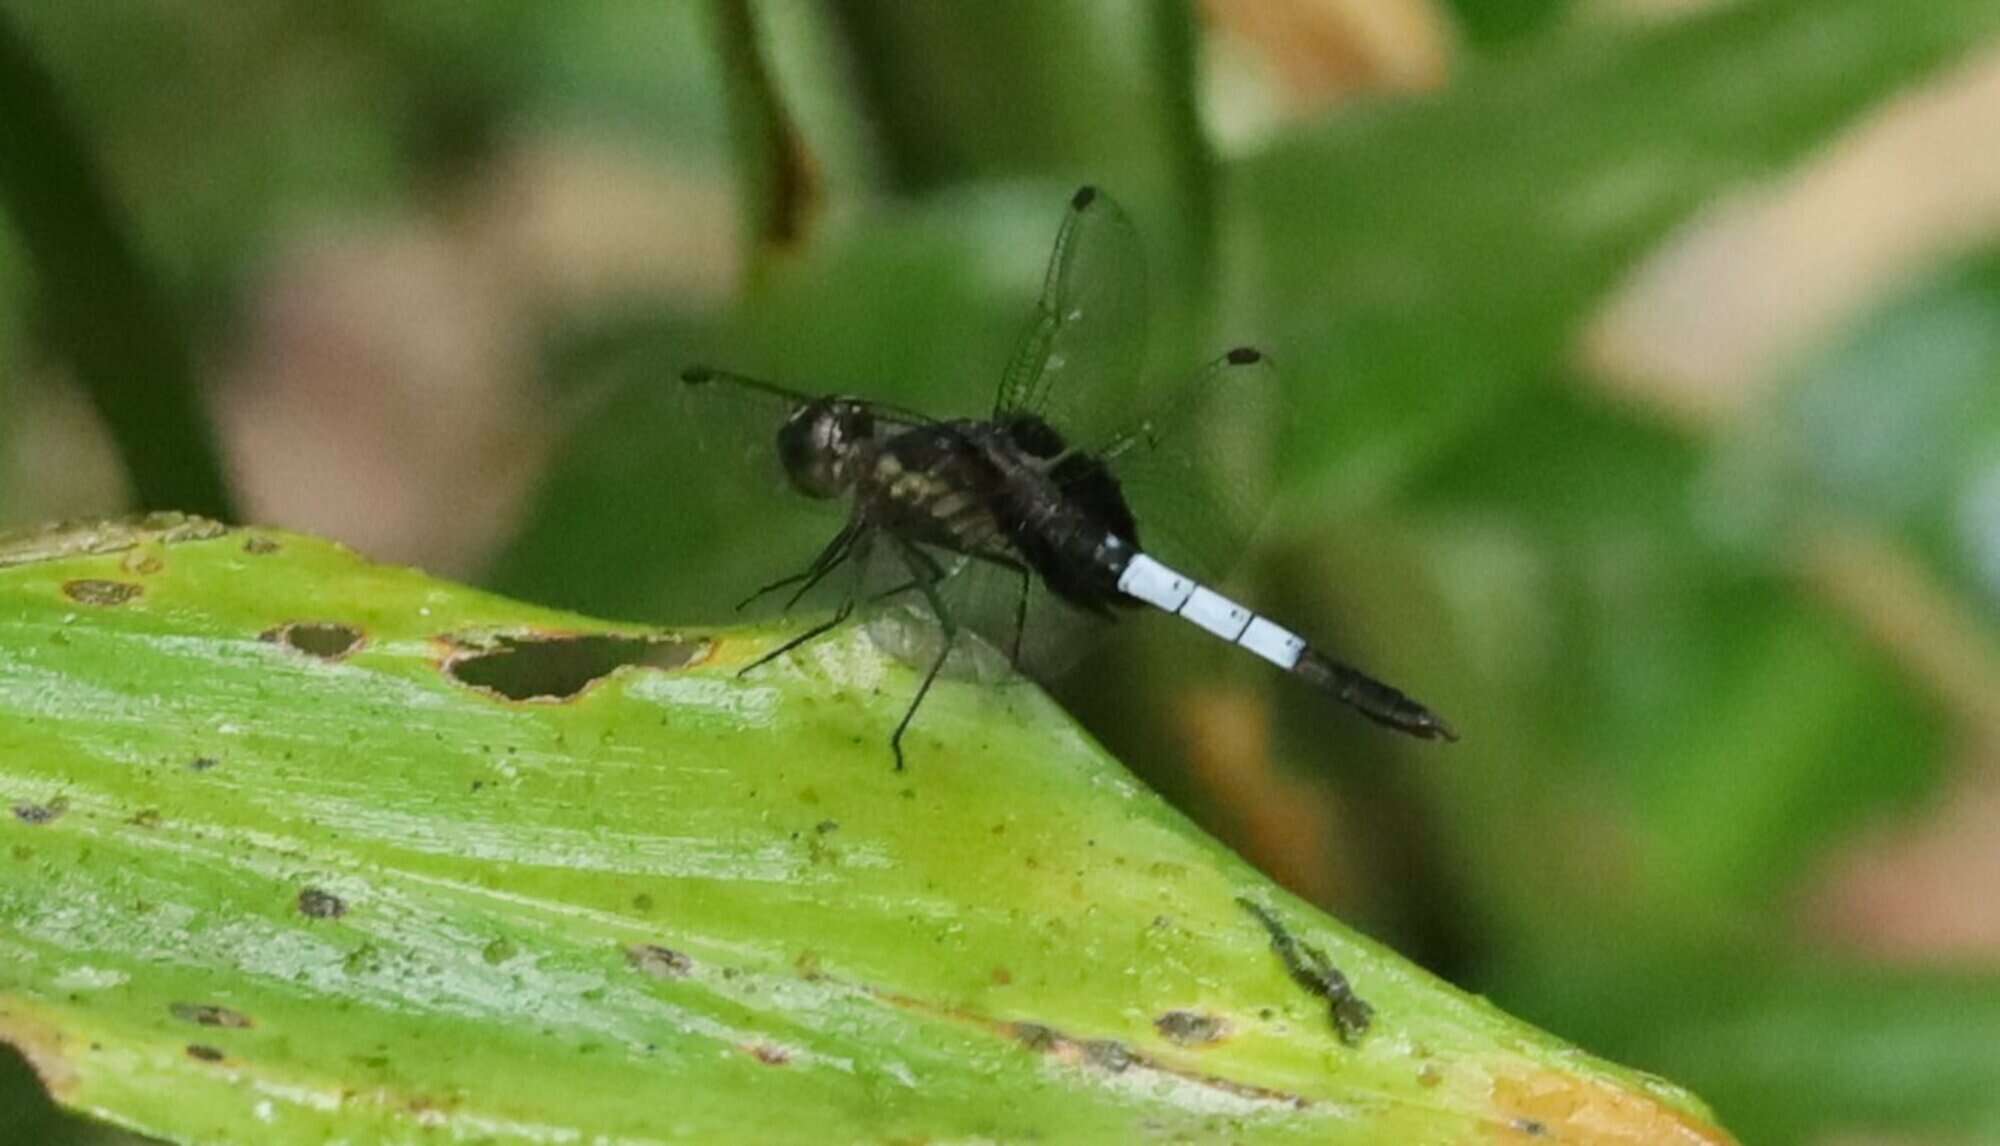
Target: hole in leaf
column 327, row 640
column 558, row 668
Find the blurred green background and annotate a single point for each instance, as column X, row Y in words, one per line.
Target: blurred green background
column 1642, row 369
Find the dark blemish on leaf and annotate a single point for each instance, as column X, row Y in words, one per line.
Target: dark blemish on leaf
column 91, row 592
column 770, row 1055
column 203, row 763
column 1110, row 1054
column 807, row 965
column 203, row 1053
column 825, row 826
column 315, row 903
column 327, row 640
column 35, row 815
column 260, row 546
column 145, row 818
column 642, row 902
column 559, row 667
column 1531, row 1127
column 499, row 951
column 1037, row 1037
column 143, row 563
column 210, row 1015
column 1002, row 976
column 1190, row 1028
column 657, row 961
column 1310, row 968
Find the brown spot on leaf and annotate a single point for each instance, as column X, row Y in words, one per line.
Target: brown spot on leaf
column 317, row 903
column 36, row 815
column 1310, row 968
column 327, row 640
column 142, row 562
column 259, row 546
column 210, row 1015
column 560, row 666
column 1549, row 1105
column 203, row 763
column 1190, row 1028
column 770, row 1055
column 1037, row 1037
column 659, row 962
column 1108, row 1054
column 203, row 1053
column 89, row 591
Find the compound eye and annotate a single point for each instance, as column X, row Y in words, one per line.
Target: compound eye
column 809, row 446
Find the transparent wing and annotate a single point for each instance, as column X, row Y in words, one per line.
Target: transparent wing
column 737, row 523
column 997, row 637
column 1195, row 464
column 1083, row 351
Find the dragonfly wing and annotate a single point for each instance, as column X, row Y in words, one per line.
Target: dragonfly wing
column 1195, row 465
column 997, row 636
column 739, row 522
column 1086, row 345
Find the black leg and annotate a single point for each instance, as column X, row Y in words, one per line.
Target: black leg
column 927, row 575
column 858, row 549
column 828, row 560
column 1021, row 613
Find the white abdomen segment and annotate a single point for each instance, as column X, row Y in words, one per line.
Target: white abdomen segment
column 1168, row 591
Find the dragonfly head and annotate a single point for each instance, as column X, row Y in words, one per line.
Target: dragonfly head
column 818, row 442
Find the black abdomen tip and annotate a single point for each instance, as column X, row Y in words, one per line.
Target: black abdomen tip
column 1084, row 197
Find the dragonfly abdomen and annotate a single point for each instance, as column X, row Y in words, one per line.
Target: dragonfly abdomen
column 1146, row 579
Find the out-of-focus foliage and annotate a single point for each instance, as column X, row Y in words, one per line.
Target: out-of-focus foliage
column 1699, row 660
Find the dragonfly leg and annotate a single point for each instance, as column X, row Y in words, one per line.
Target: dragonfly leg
column 855, row 548
column 829, row 559
column 925, row 571
column 1021, row 613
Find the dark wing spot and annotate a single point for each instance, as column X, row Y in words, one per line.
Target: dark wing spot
column 1084, row 197
column 560, row 667
column 87, row 591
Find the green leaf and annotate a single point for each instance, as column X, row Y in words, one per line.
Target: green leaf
column 1414, row 267
column 299, row 846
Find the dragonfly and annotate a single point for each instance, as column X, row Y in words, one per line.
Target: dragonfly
column 1041, row 491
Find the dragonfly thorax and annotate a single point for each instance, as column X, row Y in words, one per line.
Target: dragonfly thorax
column 819, row 442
